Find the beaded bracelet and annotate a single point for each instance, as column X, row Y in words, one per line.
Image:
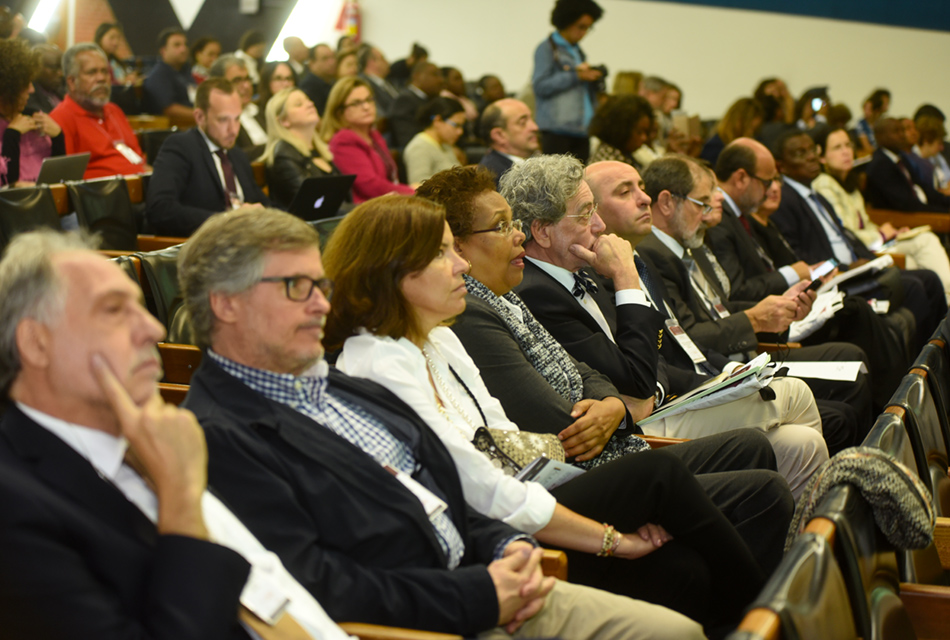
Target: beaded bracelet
column 611, row 541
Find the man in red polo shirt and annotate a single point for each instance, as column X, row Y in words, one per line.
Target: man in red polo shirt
column 90, row 122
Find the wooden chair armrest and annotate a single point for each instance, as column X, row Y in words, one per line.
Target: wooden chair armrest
column 156, row 243
column 761, row 623
column 61, row 198
column 942, row 541
column 772, row 347
column 928, row 607
column 657, row 442
column 900, row 260
column 173, row 393
column 115, row 253
column 554, row 563
column 378, row 632
column 939, row 222
column 180, row 361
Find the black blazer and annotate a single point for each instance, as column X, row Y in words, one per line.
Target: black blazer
column 80, row 560
column 346, row 529
column 185, row 188
column 497, row 163
column 527, row 398
column 732, row 334
column 287, row 173
column 772, row 242
column 887, row 187
column 752, row 278
column 801, row 227
column 633, row 362
column 403, row 125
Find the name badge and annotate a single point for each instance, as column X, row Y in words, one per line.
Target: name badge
column 128, row 152
column 433, row 504
column 721, row 310
column 263, row 596
column 685, row 342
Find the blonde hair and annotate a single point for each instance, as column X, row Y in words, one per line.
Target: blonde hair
column 333, row 117
column 274, row 112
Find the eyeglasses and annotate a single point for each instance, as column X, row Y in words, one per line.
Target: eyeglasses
column 282, row 79
column 586, row 216
column 300, row 288
column 240, row 80
column 767, row 182
column 453, row 123
column 360, row 103
column 699, row 203
column 505, row 227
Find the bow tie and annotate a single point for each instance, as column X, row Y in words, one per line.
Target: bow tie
column 583, row 284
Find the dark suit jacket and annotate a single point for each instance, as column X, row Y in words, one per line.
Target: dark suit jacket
column 384, row 95
column 318, row 90
column 287, row 173
column 403, row 125
column 772, row 242
column 751, row 277
column 888, row 188
column 726, row 335
column 80, row 560
column 527, row 398
column 185, row 188
column 497, row 163
column 632, row 362
column 350, row 532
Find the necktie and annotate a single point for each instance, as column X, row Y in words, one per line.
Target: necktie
column 583, row 285
column 717, row 269
column 844, row 253
column 646, row 279
column 228, row 170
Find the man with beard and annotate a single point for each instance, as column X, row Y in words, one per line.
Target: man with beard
column 90, row 122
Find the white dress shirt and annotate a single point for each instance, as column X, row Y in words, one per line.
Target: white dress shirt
column 791, row 277
column 250, row 124
column 401, row 367
column 106, row 454
column 213, row 148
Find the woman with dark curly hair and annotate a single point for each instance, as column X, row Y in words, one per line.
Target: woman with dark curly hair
column 623, row 125
column 26, row 139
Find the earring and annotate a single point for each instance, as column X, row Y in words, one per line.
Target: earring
column 468, row 272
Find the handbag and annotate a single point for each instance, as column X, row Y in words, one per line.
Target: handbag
column 510, row 451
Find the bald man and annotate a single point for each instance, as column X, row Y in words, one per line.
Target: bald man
column 511, row 133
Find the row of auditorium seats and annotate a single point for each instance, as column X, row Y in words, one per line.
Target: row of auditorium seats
column 841, row 579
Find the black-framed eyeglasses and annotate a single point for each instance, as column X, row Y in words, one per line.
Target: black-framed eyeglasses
column 505, row 227
column 359, row 103
column 300, row 288
column 587, row 215
column 699, row 203
column 767, row 182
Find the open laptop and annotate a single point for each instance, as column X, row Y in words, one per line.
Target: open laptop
column 58, row 169
column 320, row 198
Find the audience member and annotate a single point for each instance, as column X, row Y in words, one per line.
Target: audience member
column 404, row 124
column 511, row 133
column 401, row 70
column 349, row 125
column 565, row 85
column 321, row 66
column 204, row 52
column 275, row 76
column 297, row 55
column 653, row 89
column 812, row 108
column 373, row 68
column 490, row 89
column 90, row 122
column 814, row 230
column 110, row 38
column 251, row 49
column 25, row 140
column 741, row 120
column 252, row 136
column 626, row 82
column 837, row 185
column 48, row 85
column 294, row 150
column 622, row 124
column 433, row 149
column 875, row 107
column 454, row 87
column 413, row 355
column 169, row 88
column 777, row 88
column 107, row 525
column 347, row 64
column 346, row 42
column 931, row 132
column 199, row 172
column 347, row 448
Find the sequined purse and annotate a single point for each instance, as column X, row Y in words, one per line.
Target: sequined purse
column 512, row 450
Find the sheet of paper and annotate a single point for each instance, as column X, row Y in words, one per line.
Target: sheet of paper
column 847, row 370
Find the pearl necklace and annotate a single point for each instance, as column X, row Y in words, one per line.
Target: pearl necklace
column 444, row 391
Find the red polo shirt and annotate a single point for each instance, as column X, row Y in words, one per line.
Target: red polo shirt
column 85, row 131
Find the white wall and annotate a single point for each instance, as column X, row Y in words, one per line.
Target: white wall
column 715, row 55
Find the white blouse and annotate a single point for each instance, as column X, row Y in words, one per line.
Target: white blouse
column 400, row 366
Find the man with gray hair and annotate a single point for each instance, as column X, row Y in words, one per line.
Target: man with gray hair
column 90, row 122
column 106, row 526
column 511, row 133
column 251, row 136
column 619, row 333
column 341, row 479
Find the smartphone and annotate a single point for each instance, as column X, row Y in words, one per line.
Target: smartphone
column 821, row 271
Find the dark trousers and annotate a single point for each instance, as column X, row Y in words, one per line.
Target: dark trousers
column 708, row 571
column 558, row 143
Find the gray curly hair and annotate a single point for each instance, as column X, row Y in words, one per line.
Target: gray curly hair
column 539, row 188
